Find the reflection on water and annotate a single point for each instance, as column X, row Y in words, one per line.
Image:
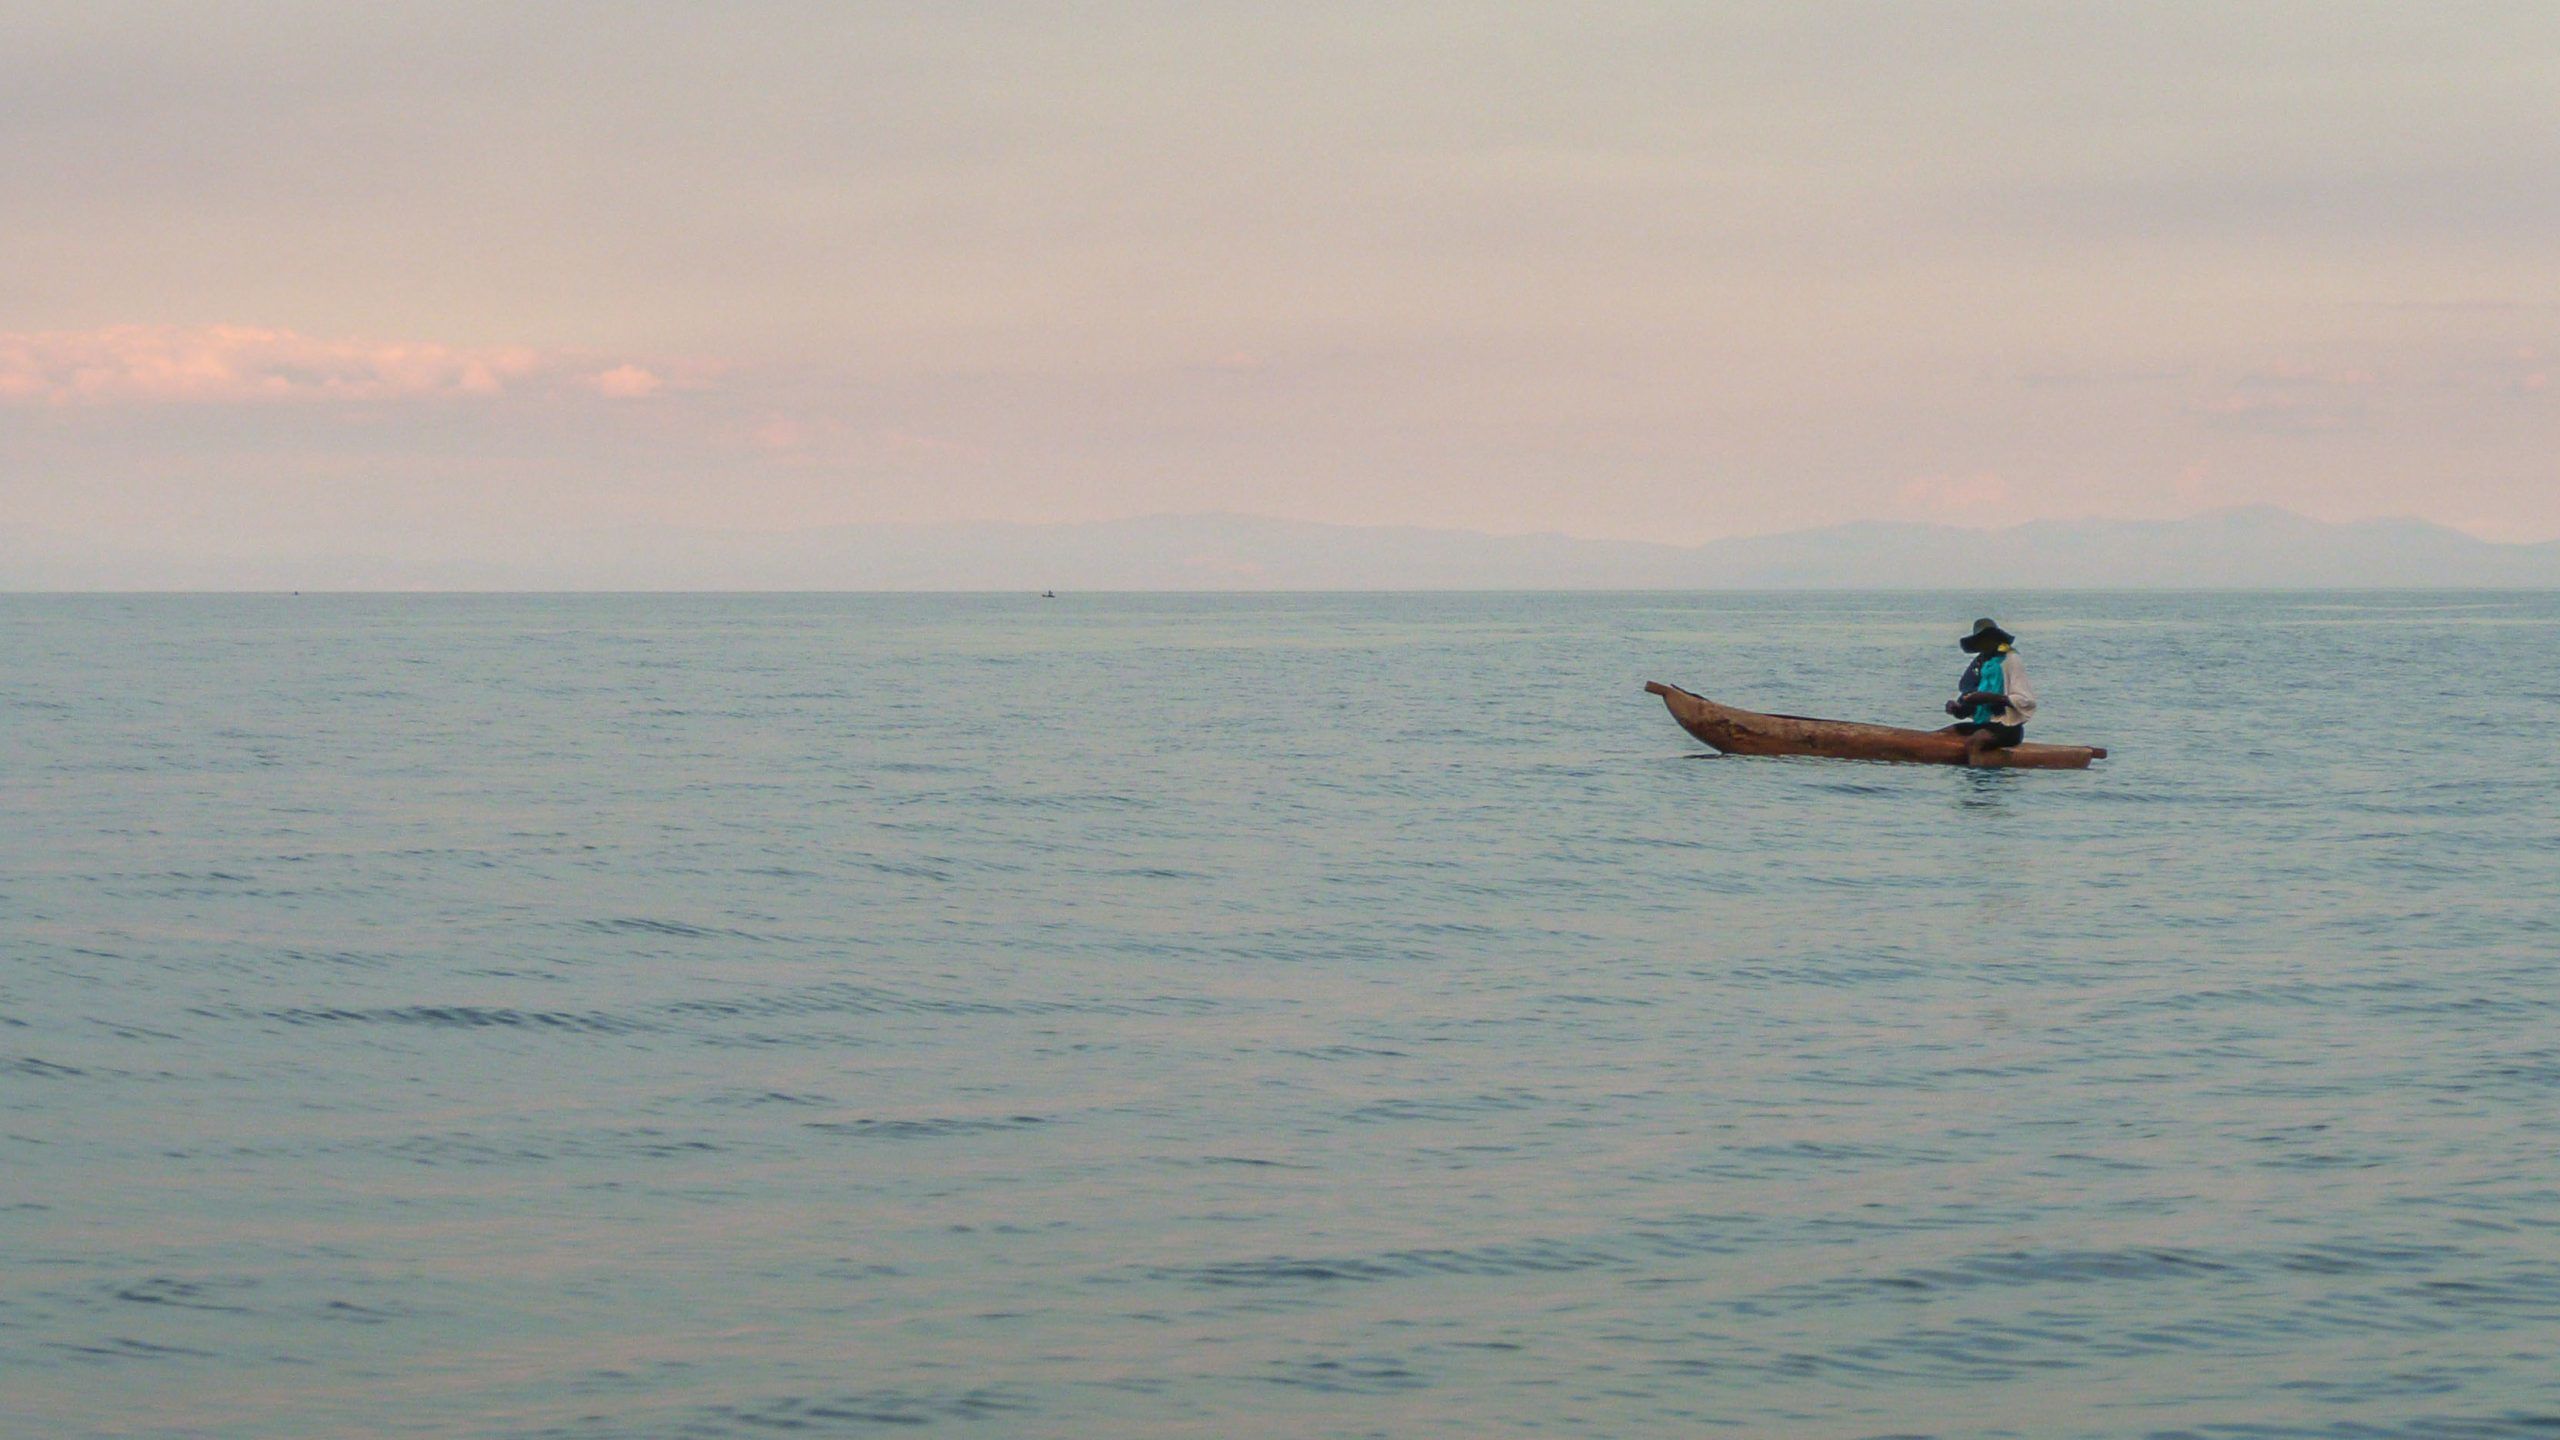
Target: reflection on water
column 1987, row 789
column 1189, row 1016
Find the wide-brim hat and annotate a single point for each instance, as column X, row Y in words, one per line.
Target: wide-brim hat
column 1986, row 634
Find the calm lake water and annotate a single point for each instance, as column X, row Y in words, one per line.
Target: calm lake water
column 1272, row 1016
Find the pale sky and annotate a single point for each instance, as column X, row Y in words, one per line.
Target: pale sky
column 282, row 275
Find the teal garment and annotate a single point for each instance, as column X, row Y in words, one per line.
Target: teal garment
column 1994, row 681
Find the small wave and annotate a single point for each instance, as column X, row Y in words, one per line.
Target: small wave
column 1251, row 1162
column 463, row 1017
column 1344, row 1052
column 2002, row 1269
column 2286, row 993
column 906, row 871
column 181, row 1294
column 867, row 1408
column 1524, row 1258
column 648, row 925
column 2350, row 1257
column 849, row 998
column 926, row 1129
column 1492, row 1102
column 769, row 1097
column 1359, row 1375
column 125, row 1347
column 472, row 1150
column 347, row 1312
column 2519, row 1293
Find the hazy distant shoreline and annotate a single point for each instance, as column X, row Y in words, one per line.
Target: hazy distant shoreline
column 2244, row 549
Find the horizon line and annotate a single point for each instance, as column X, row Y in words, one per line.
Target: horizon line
column 1972, row 527
column 9, row 593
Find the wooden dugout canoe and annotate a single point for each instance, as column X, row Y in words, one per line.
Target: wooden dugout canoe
column 1748, row 732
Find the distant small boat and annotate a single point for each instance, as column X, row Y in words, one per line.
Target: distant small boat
column 1748, row 732
column 1048, row 594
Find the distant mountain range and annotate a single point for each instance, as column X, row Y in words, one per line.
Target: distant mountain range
column 2255, row 548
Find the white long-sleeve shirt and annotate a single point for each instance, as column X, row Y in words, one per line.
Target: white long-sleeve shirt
column 2014, row 689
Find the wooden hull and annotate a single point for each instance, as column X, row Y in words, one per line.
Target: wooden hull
column 1748, row 732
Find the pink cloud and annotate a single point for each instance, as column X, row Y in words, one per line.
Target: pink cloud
column 910, row 442
column 247, row 364
column 2280, row 411
column 779, row 434
column 2295, row 373
column 1956, row 492
column 817, row 440
column 626, row 382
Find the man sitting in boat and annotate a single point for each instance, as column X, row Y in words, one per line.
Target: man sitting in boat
column 1992, row 702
